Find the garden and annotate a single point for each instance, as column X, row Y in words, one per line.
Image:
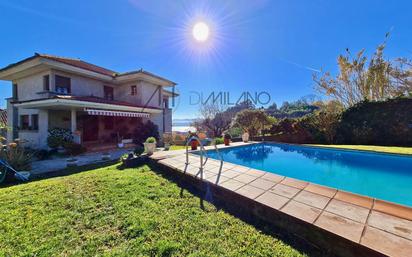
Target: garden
column 107, row 211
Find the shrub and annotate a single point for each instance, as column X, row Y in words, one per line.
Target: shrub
column 58, row 137
column 227, row 136
column 145, row 130
column 380, row 123
column 138, row 150
column 74, row 148
column 42, row 154
column 219, row 140
column 150, row 140
column 15, row 155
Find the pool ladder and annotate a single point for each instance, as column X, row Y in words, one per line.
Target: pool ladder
column 203, row 153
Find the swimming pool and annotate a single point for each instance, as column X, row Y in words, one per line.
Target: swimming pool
column 384, row 176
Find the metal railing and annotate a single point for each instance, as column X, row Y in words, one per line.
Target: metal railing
column 203, row 153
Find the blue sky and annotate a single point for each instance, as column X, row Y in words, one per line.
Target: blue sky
column 255, row 46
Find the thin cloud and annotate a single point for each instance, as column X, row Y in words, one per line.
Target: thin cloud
column 303, row 66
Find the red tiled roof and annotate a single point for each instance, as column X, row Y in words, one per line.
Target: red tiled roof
column 79, row 63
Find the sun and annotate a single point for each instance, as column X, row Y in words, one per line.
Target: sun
column 201, row 31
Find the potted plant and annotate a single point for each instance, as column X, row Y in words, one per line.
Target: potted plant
column 245, row 137
column 193, row 142
column 226, row 139
column 150, row 145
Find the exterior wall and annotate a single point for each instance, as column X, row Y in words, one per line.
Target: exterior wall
column 168, row 120
column 59, row 119
column 30, row 138
column 11, row 114
column 147, row 90
column 158, row 120
column 123, row 93
column 147, row 94
column 29, row 87
column 84, row 86
column 35, row 138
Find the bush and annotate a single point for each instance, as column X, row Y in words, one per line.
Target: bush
column 227, row 136
column 219, row 140
column 16, row 156
column 150, row 140
column 42, row 154
column 58, row 137
column 145, row 130
column 379, row 123
column 138, row 150
column 74, row 148
column 235, row 132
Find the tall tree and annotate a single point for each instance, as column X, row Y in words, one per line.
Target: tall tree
column 361, row 79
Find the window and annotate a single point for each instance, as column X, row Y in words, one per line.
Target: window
column 46, row 83
column 15, row 92
column 35, row 121
column 24, row 122
column 63, row 84
column 133, row 90
column 108, row 93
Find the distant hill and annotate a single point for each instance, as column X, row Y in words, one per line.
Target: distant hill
column 182, row 122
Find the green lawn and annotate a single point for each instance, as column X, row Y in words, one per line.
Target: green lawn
column 382, row 149
column 177, row 147
column 131, row 212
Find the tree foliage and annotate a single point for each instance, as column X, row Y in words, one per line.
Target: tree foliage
column 215, row 119
column 360, row 79
column 252, row 121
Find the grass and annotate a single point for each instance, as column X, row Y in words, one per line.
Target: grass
column 177, row 147
column 381, row 149
column 130, row 212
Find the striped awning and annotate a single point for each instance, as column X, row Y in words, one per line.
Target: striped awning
column 117, row 113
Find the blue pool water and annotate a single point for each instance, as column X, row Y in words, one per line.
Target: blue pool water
column 383, row 176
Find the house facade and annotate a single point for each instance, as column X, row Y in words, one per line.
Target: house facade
column 98, row 105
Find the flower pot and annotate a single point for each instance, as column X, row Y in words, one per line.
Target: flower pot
column 194, row 144
column 149, row 148
column 226, row 141
column 167, row 147
column 71, row 163
column 245, row 137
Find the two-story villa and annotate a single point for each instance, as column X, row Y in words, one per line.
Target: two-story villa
column 98, row 105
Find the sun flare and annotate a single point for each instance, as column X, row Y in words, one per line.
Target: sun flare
column 201, row 31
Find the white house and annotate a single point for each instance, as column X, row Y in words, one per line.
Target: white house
column 98, row 105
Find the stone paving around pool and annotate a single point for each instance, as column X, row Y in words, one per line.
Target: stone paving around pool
column 382, row 226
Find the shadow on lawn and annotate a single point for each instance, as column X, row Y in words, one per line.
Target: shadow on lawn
column 61, row 173
column 205, row 194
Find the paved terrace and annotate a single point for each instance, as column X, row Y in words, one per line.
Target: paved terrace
column 368, row 223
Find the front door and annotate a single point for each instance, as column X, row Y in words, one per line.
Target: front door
column 90, row 128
